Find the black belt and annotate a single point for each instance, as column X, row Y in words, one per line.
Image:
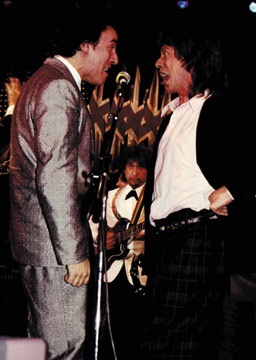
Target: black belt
column 168, row 224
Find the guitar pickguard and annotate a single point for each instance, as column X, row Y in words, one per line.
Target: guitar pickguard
column 124, row 235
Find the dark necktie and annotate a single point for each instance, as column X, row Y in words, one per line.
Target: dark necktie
column 131, row 194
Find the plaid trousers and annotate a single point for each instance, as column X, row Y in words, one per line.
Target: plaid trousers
column 186, row 289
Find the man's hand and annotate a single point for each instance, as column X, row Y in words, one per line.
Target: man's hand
column 13, row 89
column 110, row 240
column 219, row 199
column 78, row 274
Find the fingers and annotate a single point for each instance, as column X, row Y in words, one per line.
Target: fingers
column 77, row 281
column 222, row 211
column 78, row 274
column 13, row 88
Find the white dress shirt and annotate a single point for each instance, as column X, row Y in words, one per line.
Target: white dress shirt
column 176, row 163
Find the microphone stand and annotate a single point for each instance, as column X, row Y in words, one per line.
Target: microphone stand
column 99, row 213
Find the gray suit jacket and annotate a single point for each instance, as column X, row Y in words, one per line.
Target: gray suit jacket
column 51, row 153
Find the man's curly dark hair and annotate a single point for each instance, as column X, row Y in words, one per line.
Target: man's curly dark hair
column 139, row 153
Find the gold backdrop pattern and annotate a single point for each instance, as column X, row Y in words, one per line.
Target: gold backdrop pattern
column 136, row 123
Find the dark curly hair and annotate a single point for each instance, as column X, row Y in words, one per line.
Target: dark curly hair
column 139, row 153
column 201, row 52
column 82, row 25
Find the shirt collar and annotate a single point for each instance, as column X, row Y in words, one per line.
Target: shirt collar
column 128, row 188
column 194, row 103
column 71, row 68
column 171, row 106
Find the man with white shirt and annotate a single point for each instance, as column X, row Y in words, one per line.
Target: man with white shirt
column 52, row 150
column 187, row 194
column 125, row 254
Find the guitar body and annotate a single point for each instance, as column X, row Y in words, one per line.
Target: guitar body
column 124, row 232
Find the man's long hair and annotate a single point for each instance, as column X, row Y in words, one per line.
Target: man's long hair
column 201, row 53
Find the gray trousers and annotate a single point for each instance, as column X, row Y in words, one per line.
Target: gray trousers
column 56, row 311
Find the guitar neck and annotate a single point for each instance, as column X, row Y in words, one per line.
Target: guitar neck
column 133, row 229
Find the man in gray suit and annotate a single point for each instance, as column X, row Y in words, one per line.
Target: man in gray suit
column 51, row 159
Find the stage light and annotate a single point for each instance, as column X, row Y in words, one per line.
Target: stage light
column 182, row 4
column 252, row 7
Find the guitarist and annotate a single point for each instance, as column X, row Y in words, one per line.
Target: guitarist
column 125, row 215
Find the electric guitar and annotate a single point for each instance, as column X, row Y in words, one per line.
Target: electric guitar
column 123, row 235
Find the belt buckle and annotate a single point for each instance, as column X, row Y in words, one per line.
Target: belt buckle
column 191, row 220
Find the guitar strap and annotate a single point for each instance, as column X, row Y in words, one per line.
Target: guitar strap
column 133, row 266
column 115, row 212
column 132, row 262
column 138, row 208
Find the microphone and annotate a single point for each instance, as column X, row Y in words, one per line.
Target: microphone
column 123, row 78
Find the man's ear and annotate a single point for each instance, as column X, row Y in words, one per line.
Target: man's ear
column 85, row 47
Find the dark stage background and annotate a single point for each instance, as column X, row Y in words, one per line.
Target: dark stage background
column 27, row 25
